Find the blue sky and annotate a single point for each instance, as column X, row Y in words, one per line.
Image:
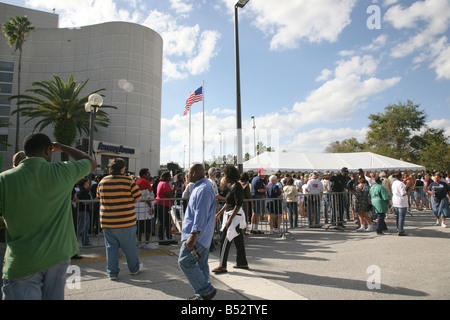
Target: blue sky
column 311, row 70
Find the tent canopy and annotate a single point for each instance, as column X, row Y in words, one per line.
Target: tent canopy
column 333, row 162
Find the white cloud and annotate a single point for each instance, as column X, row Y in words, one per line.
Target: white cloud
column 324, row 75
column 181, row 6
column 431, row 19
column 377, row 44
column 187, row 49
column 339, row 98
column 77, row 13
column 441, row 124
column 288, row 22
column 316, row 140
column 441, row 63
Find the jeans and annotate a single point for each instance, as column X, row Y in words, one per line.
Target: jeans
column 2, row 256
column 83, row 227
column 292, row 209
column 440, row 207
column 400, row 217
column 124, row 238
column 196, row 271
column 46, row 285
column 381, row 223
column 314, row 209
column 325, row 204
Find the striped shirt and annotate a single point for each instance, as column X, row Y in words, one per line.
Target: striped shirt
column 117, row 194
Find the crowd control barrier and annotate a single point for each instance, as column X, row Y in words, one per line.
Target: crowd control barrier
column 160, row 221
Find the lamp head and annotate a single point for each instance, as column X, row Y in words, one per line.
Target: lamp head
column 95, row 100
column 241, row 3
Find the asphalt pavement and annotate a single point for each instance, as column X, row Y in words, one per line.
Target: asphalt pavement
column 303, row 264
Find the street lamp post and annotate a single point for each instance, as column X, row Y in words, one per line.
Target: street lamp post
column 239, row 4
column 94, row 101
column 254, row 136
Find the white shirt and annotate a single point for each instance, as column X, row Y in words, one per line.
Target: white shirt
column 399, row 194
column 314, row 186
column 326, row 186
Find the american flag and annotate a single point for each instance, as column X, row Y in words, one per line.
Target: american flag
column 193, row 98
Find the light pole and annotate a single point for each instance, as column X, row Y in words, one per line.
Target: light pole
column 254, row 136
column 94, row 101
column 239, row 4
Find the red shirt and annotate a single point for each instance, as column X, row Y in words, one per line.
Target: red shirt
column 144, row 184
column 161, row 190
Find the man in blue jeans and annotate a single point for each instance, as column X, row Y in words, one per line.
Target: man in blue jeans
column 197, row 233
column 35, row 204
column 118, row 195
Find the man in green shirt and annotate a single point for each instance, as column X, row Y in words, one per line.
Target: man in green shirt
column 35, row 202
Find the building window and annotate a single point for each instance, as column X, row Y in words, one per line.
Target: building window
column 6, row 66
column 6, row 83
column 3, row 142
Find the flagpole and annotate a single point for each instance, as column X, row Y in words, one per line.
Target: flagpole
column 190, row 137
column 203, row 122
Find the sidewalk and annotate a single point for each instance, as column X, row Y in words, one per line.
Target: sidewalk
column 311, row 264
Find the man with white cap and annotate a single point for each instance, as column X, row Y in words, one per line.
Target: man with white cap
column 258, row 191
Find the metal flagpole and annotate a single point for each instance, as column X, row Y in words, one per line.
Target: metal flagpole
column 203, row 89
column 189, row 164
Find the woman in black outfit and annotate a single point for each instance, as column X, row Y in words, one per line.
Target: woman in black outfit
column 233, row 223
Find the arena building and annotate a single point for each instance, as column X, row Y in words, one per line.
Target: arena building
column 123, row 58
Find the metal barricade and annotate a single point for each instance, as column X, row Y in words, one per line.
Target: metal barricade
column 159, row 221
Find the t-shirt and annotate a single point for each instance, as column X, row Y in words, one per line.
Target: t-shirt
column 378, row 196
column 235, row 197
column 35, row 201
column 314, row 186
column 399, row 194
column 257, row 184
column 117, row 194
column 143, row 184
column 440, row 189
column 163, row 188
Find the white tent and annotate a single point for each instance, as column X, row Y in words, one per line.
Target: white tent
column 334, row 162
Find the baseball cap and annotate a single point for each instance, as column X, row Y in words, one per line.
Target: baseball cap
column 262, row 171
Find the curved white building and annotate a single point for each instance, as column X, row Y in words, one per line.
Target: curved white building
column 123, row 58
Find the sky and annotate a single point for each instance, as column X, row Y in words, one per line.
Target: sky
column 311, row 71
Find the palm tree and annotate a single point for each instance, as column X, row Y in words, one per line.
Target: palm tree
column 58, row 103
column 15, row 31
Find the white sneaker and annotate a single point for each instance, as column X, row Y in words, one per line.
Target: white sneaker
column 141, row 267
column 361, row 229
column 443, row 225
column 369, row 228
column 437, row 222
column 150, row 246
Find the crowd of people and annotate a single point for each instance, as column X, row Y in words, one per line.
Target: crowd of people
column 362, row 196
column 131, row 209
column 321, row 198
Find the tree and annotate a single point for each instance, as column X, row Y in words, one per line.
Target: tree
column 392, row 133
column 435, row 150
column 401, row 133
column 15, row 31
column 58, row 103
column 346, row 146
